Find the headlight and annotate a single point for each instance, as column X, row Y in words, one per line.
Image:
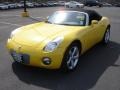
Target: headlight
column 53, row 44
column 14, row 32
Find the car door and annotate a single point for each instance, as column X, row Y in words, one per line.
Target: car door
column 94, row 34
column 88, row 38
column 70, row 4
column 101, row 28
column 91, row 36
column 74, row 4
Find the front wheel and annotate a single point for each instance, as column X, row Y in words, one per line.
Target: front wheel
column 106, row 38
column 100, row 5
column 71, row 57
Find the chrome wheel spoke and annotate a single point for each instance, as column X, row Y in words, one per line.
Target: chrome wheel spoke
column 70, row 53
column 77, row 56
column 107, row 36
column 68, row 62
column 72, row 64
column 74, row 51
column 73, row 57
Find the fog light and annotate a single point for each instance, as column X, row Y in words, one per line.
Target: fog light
column 46, row 61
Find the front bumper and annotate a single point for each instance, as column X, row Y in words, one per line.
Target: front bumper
column 3, row 8
column 33, row 56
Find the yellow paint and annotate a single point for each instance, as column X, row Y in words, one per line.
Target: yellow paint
column 25, row 14
column 33, row 38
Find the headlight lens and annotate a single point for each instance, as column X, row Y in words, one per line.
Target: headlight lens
column 53, row 44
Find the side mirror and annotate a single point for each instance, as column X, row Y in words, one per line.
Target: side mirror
column 94, row 22
column 46, row 19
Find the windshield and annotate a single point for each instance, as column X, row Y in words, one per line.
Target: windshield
column 68, row 18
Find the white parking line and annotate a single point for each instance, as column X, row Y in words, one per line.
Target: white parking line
column 10, row 24
column 40, row 17
column 37, row 18
column 2, row 15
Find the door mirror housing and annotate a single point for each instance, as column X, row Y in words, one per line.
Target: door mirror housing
column 46, row 19
column 94, row 22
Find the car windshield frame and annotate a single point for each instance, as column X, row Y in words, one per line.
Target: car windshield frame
column 85, row 22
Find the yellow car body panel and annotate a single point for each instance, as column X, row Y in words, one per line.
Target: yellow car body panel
column 32, row 39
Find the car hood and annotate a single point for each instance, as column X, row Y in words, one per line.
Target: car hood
column 37, row 33
column 79, row 4
column 2, row 6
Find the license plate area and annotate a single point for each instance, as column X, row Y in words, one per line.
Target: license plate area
column 17, row 57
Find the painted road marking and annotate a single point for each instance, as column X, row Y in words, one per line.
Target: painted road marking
column 10, row 24
column 2, row 15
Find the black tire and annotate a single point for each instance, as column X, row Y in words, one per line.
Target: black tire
column 71, row 64
column 100, row 5
column 78, row 6
column 106, row 37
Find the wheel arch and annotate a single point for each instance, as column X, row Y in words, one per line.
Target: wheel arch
column 103, row 39
column 109, row 26
column 76, row 41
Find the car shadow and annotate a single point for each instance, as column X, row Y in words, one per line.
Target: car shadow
column 92, row 66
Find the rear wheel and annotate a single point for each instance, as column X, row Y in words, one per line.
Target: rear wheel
column 106, row 38
column 71, row 57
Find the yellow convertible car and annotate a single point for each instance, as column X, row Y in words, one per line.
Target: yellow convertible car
column 59, row 41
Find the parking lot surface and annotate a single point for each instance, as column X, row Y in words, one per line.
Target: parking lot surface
column 99, row 68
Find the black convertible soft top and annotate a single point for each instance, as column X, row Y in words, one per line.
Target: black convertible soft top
column 93, row 15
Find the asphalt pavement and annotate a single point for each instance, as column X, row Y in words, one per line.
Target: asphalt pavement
column 99, row 68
